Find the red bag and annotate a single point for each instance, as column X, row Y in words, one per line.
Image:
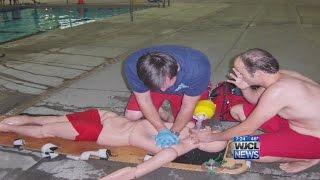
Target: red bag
column 226, row 95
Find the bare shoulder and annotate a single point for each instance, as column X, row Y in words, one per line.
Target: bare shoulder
column 297, row 76
column 287, row 88
column 277, row 90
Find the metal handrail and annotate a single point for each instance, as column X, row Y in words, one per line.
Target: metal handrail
column 131, row 10
column 131, row 2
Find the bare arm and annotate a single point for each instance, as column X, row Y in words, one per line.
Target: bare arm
column 270, row 103
column 252, row 95
column 186, row 112
column 162, row 157
column 165, row 156
column 148, row 110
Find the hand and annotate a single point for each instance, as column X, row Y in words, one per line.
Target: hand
column 238, row 80
column 166, row 138
column 202, row 135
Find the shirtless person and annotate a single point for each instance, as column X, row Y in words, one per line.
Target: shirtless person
column 107, row 128
column 286, row 106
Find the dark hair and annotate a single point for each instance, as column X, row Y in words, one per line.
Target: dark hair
column 154, row 67
column 259, row 59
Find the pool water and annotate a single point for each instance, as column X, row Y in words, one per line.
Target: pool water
column 17, row 24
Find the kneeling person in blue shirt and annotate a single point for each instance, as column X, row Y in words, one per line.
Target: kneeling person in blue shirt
column 178, row 74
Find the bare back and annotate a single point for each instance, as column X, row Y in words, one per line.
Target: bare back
column 301, row 96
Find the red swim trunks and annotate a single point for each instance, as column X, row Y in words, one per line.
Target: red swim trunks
column 280, row 140
column 158, row 98
column 87, row 124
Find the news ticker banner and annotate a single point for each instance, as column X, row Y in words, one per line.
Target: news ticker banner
column 246, row 147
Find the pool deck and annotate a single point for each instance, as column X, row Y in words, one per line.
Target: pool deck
column 73, row 69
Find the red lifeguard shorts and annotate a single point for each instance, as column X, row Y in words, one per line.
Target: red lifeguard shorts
column 279, row 140
column 158, row 98
column 87, row 124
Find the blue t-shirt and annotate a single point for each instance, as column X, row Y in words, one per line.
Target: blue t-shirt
column 193, row 76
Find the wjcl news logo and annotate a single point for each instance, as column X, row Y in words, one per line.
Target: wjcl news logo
column 246, row 147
